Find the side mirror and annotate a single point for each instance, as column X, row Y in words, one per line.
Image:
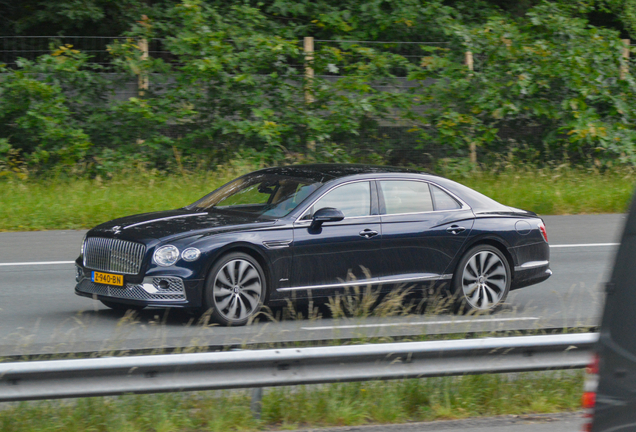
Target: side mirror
column 326, row 214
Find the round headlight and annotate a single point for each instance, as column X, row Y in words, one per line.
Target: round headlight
column 191, row 254
column 166, row 255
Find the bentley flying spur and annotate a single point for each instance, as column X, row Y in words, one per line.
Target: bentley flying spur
column 312, row 231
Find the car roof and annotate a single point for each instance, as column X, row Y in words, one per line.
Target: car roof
column 328, row 172
column 324, row 173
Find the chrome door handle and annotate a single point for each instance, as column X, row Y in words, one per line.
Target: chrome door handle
column 455, row 229
column 368, row 233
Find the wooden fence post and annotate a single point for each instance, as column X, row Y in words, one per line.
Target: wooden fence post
column 625, row 65
column 469, row 60
column 473, row 148
column 309, row 70
column 308, row 48
column 142, row 83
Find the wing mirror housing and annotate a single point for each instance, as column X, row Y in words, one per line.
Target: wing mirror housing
column 326, row 214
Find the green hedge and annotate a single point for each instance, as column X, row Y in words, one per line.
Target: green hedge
column 546, row 86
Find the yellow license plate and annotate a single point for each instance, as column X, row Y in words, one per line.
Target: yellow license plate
column 108, row 279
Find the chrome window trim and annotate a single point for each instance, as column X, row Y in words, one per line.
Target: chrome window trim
column 417, row 213
column 299, row 219
column 302, row 223
column 463, row 204
column 369, row 282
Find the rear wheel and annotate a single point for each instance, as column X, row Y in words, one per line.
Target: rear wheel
column 482, row 279
column 121, row 306
column 235, row 289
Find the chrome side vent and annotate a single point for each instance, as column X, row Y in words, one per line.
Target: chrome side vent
column 113, row 255
column 276, row 244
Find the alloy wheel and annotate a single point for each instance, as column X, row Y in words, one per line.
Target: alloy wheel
column 237, row 290
column 484, row 280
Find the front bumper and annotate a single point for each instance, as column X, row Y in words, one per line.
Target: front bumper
column 162, row 291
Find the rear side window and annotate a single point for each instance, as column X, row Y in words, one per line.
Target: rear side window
column 403, row 196
column 443, row 201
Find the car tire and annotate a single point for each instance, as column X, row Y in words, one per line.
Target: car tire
column 121, row 306
column 482, row 280
column 235, row 289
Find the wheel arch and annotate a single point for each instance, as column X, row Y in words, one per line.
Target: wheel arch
column 494, row 242
column 243, row 248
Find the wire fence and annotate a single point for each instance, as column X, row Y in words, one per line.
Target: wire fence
column 397, row 143
column 394, row 142
column 13, row 48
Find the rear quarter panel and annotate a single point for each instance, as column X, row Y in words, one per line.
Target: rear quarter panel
column 518, row 236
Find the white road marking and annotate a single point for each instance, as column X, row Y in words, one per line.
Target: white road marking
column 36, row 263
column 584, row 245
column 419, row 323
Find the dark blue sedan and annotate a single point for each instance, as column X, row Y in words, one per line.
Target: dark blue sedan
column 312, row 231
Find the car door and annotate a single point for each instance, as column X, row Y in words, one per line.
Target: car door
column 341, row 253
column 423, row 228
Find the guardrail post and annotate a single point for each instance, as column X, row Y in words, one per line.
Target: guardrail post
column 257, row 402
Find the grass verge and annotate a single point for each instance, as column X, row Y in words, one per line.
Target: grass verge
column 345, row 404
column 83, row 203
column 555, row 191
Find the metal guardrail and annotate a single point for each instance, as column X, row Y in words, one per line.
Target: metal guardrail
column 292, row 366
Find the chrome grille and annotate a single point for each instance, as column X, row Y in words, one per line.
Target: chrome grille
column 113, row 255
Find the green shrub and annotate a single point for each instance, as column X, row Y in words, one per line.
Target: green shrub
column 545, row 87
column 231, row 80
column 36, row 120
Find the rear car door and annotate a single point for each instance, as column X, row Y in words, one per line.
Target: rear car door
column 423, row 228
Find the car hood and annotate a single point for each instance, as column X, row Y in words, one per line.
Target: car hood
column 175, row 223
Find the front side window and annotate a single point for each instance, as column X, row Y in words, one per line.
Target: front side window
column 404, row 196
column 353, row 200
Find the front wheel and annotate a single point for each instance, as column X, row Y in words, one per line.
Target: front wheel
column 235, row 289
column 482, row 279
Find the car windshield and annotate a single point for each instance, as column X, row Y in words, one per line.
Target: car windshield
column 261, row 194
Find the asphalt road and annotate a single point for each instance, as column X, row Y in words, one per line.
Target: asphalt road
column 569, row 422
column 39, row 313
